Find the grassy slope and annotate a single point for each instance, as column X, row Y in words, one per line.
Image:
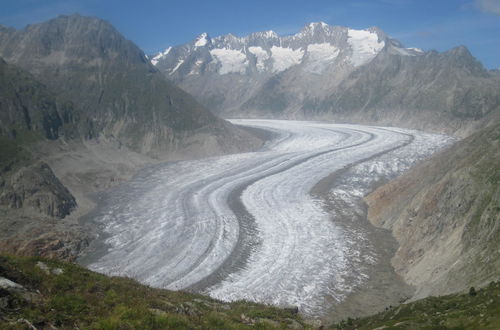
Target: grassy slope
column 457, row 311
column 79, row 298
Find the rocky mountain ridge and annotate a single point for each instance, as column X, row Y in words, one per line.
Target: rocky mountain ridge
column 77, row 95
column 82, row 109
column 316, row 46
column 445, row 214
column 118, row 92
column 332, row 72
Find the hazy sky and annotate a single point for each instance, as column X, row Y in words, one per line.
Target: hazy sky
column 154, row 25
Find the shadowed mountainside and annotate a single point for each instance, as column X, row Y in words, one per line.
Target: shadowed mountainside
column 118, row 93
column 82, row 109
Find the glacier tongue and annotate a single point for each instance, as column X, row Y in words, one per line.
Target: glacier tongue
column 175, row 225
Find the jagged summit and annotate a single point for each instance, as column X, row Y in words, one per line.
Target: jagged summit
column 264, row 34
column 267, row 52
column 201, row 40
column 325, row 69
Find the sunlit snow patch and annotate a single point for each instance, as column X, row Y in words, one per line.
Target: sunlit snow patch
column 201, row 41
column 365, row 46
column 319, row 56
column 231, row 61
column 177, row 66
column 262, row 57
column 160, row 55
column 284, row 58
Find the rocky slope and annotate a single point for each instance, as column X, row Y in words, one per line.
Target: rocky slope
column 118, row 93
column 33, row 201
column 336, row 73
column 445, row 214
column 449, row 92
column 78, row 96
column 36, row 187
column 28, row 108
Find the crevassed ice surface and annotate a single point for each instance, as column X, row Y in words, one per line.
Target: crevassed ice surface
column 174, row 225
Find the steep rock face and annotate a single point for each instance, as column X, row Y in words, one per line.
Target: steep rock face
column 118, row 93
column 335, row 73
column 46, row 241
column 28, row 107
column 36, row 187
column 426, row 91
column 445, row 213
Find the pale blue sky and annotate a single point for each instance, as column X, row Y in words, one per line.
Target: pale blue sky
column 154, row 25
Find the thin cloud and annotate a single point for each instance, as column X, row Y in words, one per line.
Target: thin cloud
column 489, row 6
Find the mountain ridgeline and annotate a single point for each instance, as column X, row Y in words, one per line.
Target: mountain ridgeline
column 445, row 212
column 82, row 109
column 333, row 72
column 117, row 93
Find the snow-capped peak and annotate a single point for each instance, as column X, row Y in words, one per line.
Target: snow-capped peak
column 314, row 25
column 418, row 50
column 267, row 34
column 201, row 40
column 315, row 29
column 316, row 48
column 160, row 55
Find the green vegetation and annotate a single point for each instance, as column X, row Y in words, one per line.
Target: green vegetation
column 81, row 299
column 477, row 309
column 64, row 295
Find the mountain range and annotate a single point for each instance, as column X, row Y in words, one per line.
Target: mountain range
column 82, row 109
column 333, row 72
column 444, row 212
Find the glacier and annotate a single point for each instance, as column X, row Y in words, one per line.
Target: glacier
column 247, row 226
